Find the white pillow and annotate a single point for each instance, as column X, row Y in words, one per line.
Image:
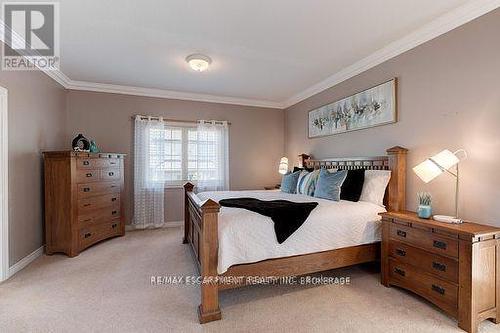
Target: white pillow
column 376, row 182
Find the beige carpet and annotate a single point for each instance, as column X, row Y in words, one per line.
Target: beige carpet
column 107, row 289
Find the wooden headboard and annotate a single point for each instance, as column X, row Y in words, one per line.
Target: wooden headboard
column 395, row 160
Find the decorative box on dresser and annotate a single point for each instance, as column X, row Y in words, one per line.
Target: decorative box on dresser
column 454, row 266
column 83, row 203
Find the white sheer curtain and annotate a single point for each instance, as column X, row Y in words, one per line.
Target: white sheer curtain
column 212, row 156
column 148, row 188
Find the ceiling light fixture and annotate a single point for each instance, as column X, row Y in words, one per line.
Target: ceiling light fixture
column 198, row 62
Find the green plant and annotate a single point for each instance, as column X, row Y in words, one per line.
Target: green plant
column 424, row 198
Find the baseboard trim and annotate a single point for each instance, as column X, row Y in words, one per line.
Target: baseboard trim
column 25, row 262
column 172, row 224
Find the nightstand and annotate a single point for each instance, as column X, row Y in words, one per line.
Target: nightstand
column 454, row 266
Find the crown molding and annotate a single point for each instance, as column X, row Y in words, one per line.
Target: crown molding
column 170, row 94
column 439, row 26
column 443, row 24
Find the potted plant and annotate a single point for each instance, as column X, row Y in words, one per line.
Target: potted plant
column 424, row 210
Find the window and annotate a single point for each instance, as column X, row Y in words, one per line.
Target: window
column 178, row 154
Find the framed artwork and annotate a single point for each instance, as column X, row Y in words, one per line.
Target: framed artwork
column 372, row 107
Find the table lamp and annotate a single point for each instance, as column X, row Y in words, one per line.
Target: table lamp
column 283, row 167
column 436, row 165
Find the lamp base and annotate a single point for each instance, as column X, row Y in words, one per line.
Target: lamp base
column 447, row 219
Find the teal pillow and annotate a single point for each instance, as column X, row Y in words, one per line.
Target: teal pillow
column 289, row 182
column 329, row 183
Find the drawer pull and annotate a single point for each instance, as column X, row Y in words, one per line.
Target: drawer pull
column 111, row 173
column 87, row 235
column 401, row 253
column 401, row 233
column 112, row 163
column 86, row 163
column 439, row 245
column 113, row 186
column 438, row 289
column 114, row 225
column 86, row 205
column 399, row 271
column 113, row 199
column 86, row 189
column 88, row 175
column 87, row 220
column 114, row 212
column 438, row 266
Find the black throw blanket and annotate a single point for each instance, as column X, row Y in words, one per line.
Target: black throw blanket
column 287, row 216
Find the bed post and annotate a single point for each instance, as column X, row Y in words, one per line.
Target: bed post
column 201, row 231
column 188, row 187
column 396, row 198
column 209, row 246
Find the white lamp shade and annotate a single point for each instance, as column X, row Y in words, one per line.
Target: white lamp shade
column 283, row 167
column 446, row 159
column 427, row 171
column 436, row 165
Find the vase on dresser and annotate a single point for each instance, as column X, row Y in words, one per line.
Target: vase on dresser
column 83, row 199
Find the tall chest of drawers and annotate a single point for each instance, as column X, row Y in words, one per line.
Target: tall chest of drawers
column 454, row 266
column 83, row 199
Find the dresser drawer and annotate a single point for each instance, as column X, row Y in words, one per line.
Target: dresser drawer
column 92, row 234
column 99, row 216
column 88, row 175
column 440, row 266
column 425, row 239
column 94, row 189
column 102, row 201
column 110, row 174
column 87, row 163
column 444, row 294
column 109, row 163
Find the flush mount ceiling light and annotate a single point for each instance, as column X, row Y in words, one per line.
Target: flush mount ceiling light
column 198, row 62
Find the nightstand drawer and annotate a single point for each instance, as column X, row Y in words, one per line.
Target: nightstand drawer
column 425, row 239
column 440, row 266
column 442, row 293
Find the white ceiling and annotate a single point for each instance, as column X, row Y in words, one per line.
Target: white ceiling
column 266, row 50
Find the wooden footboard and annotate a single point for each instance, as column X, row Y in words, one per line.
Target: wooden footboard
column 200, row 230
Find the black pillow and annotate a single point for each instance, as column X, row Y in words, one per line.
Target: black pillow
column 353, row 185
column 295, row 169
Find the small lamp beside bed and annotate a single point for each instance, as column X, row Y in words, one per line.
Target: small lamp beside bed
column 283, row 167
column 437, row 165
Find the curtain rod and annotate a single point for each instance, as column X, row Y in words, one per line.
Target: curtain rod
column 173, row 120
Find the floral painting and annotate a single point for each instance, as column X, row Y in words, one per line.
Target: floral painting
column 372, row 107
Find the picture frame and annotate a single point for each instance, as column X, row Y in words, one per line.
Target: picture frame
column 372, row 107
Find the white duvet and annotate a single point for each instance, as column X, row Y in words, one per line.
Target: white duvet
column 246, row 237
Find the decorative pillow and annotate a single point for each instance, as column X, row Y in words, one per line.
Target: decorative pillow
column 307, row 182
column 376, row 182
column 303, row 173
column 353, row 185
column 329, row 183
column 289, row 182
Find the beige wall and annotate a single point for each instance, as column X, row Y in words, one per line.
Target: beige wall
column 37, row 120
column 256, row 135
column 449, row 97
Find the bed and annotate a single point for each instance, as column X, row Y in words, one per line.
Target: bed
column 231, row 243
